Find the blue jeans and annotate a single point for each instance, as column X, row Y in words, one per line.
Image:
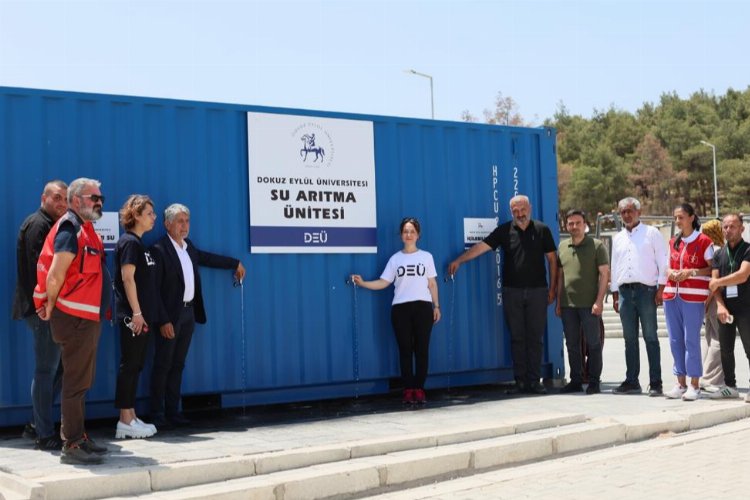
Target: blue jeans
column 637, row 303
column 684, row 321
column 47, row 381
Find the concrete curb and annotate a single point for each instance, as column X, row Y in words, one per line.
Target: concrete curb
column 15, row 487
column 368, row 465
column 396, row 468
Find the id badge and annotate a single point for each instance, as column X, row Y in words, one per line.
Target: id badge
column 732, row 292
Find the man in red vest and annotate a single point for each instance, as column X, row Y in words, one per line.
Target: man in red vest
column 71, row 278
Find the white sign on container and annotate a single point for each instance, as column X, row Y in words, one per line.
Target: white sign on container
column 108, row 228
column 477, row 229
column 312, row 184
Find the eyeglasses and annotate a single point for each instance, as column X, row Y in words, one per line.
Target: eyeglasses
column 96, row 198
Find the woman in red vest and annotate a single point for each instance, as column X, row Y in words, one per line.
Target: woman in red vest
column 690, row 254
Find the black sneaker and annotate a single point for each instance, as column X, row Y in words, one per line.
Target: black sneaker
column 593, row 388
column 79, row 453
column 91, row 445
column 29, row 432
column 628, row 388
column 571, row 387
column 536, row 388
column 178, row 419
column 51, row 443
column 161, row 422
column 655, row 390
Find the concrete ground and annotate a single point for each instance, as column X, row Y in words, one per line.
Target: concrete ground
column 370, row 446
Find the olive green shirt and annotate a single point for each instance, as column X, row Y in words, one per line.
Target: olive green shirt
column 580, row 266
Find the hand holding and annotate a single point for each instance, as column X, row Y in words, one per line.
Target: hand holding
column 453, row 268
column 239, row 274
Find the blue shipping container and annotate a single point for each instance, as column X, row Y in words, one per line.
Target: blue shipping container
column 295, row 330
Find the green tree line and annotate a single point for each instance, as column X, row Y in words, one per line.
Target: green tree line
column 654, row 154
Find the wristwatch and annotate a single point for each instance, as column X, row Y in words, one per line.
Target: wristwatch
column 694, row 273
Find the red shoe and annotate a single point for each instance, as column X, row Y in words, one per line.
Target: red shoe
column 419, row 396
column 408, row 397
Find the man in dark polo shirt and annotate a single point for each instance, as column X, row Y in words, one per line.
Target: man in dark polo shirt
column 731, row 278
column 584, row 276
column 526, row 292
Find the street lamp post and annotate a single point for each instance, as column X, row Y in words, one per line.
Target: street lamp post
column 432, row 95
column 716, row 185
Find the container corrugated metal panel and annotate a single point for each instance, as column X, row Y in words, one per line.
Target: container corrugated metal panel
column 307, row 335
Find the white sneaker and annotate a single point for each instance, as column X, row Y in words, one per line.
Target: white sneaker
column 140, row 422
column 132, row 431
column 725, row 392
column 691, row 394
column 676, row 392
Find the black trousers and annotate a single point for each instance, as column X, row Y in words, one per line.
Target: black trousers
column 169, row 363
column 727, row 337
column 133, row 350
column 526, row 314
column 412, row 322
column 579, row 324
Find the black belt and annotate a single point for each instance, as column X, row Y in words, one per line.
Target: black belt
column 634, row 285
column 187, row 304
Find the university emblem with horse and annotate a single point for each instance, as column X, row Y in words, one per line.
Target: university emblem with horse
column 308, row 141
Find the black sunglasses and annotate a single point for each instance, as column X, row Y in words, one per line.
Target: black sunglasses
column 96, row 198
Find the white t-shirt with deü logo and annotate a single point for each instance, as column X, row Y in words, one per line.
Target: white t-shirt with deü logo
column 409, row 273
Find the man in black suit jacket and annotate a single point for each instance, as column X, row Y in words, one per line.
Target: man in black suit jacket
column 180, row 308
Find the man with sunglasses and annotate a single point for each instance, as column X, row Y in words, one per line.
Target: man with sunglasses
column 72, row 287
column 45, row 386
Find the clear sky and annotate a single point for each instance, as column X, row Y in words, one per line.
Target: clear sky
column 350, row 55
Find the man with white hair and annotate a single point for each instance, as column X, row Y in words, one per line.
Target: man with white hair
column 178, row 285
column 639, row 274
column 526, row 243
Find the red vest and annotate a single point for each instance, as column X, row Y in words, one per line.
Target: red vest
column 81, row 293
column 689, row 256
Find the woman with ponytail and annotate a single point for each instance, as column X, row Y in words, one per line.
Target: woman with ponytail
column 690, row 254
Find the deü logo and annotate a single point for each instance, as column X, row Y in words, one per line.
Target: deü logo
column 411, row 270
column 321, row 237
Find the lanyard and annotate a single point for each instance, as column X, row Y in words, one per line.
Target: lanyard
column 731, row 257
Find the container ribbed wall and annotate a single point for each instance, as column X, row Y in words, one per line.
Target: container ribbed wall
column 307, row 334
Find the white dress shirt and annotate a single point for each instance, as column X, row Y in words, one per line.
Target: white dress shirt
column 187, row 270
column 639, row 256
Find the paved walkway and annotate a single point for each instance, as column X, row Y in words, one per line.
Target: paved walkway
column 137, row 464
column 696, row 465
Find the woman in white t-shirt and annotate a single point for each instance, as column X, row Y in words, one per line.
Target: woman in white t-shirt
column 415, row 307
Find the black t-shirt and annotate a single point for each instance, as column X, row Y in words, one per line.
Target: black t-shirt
column 130, row 250
column 524, row 262
column 66, row 239
column 722, row 261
